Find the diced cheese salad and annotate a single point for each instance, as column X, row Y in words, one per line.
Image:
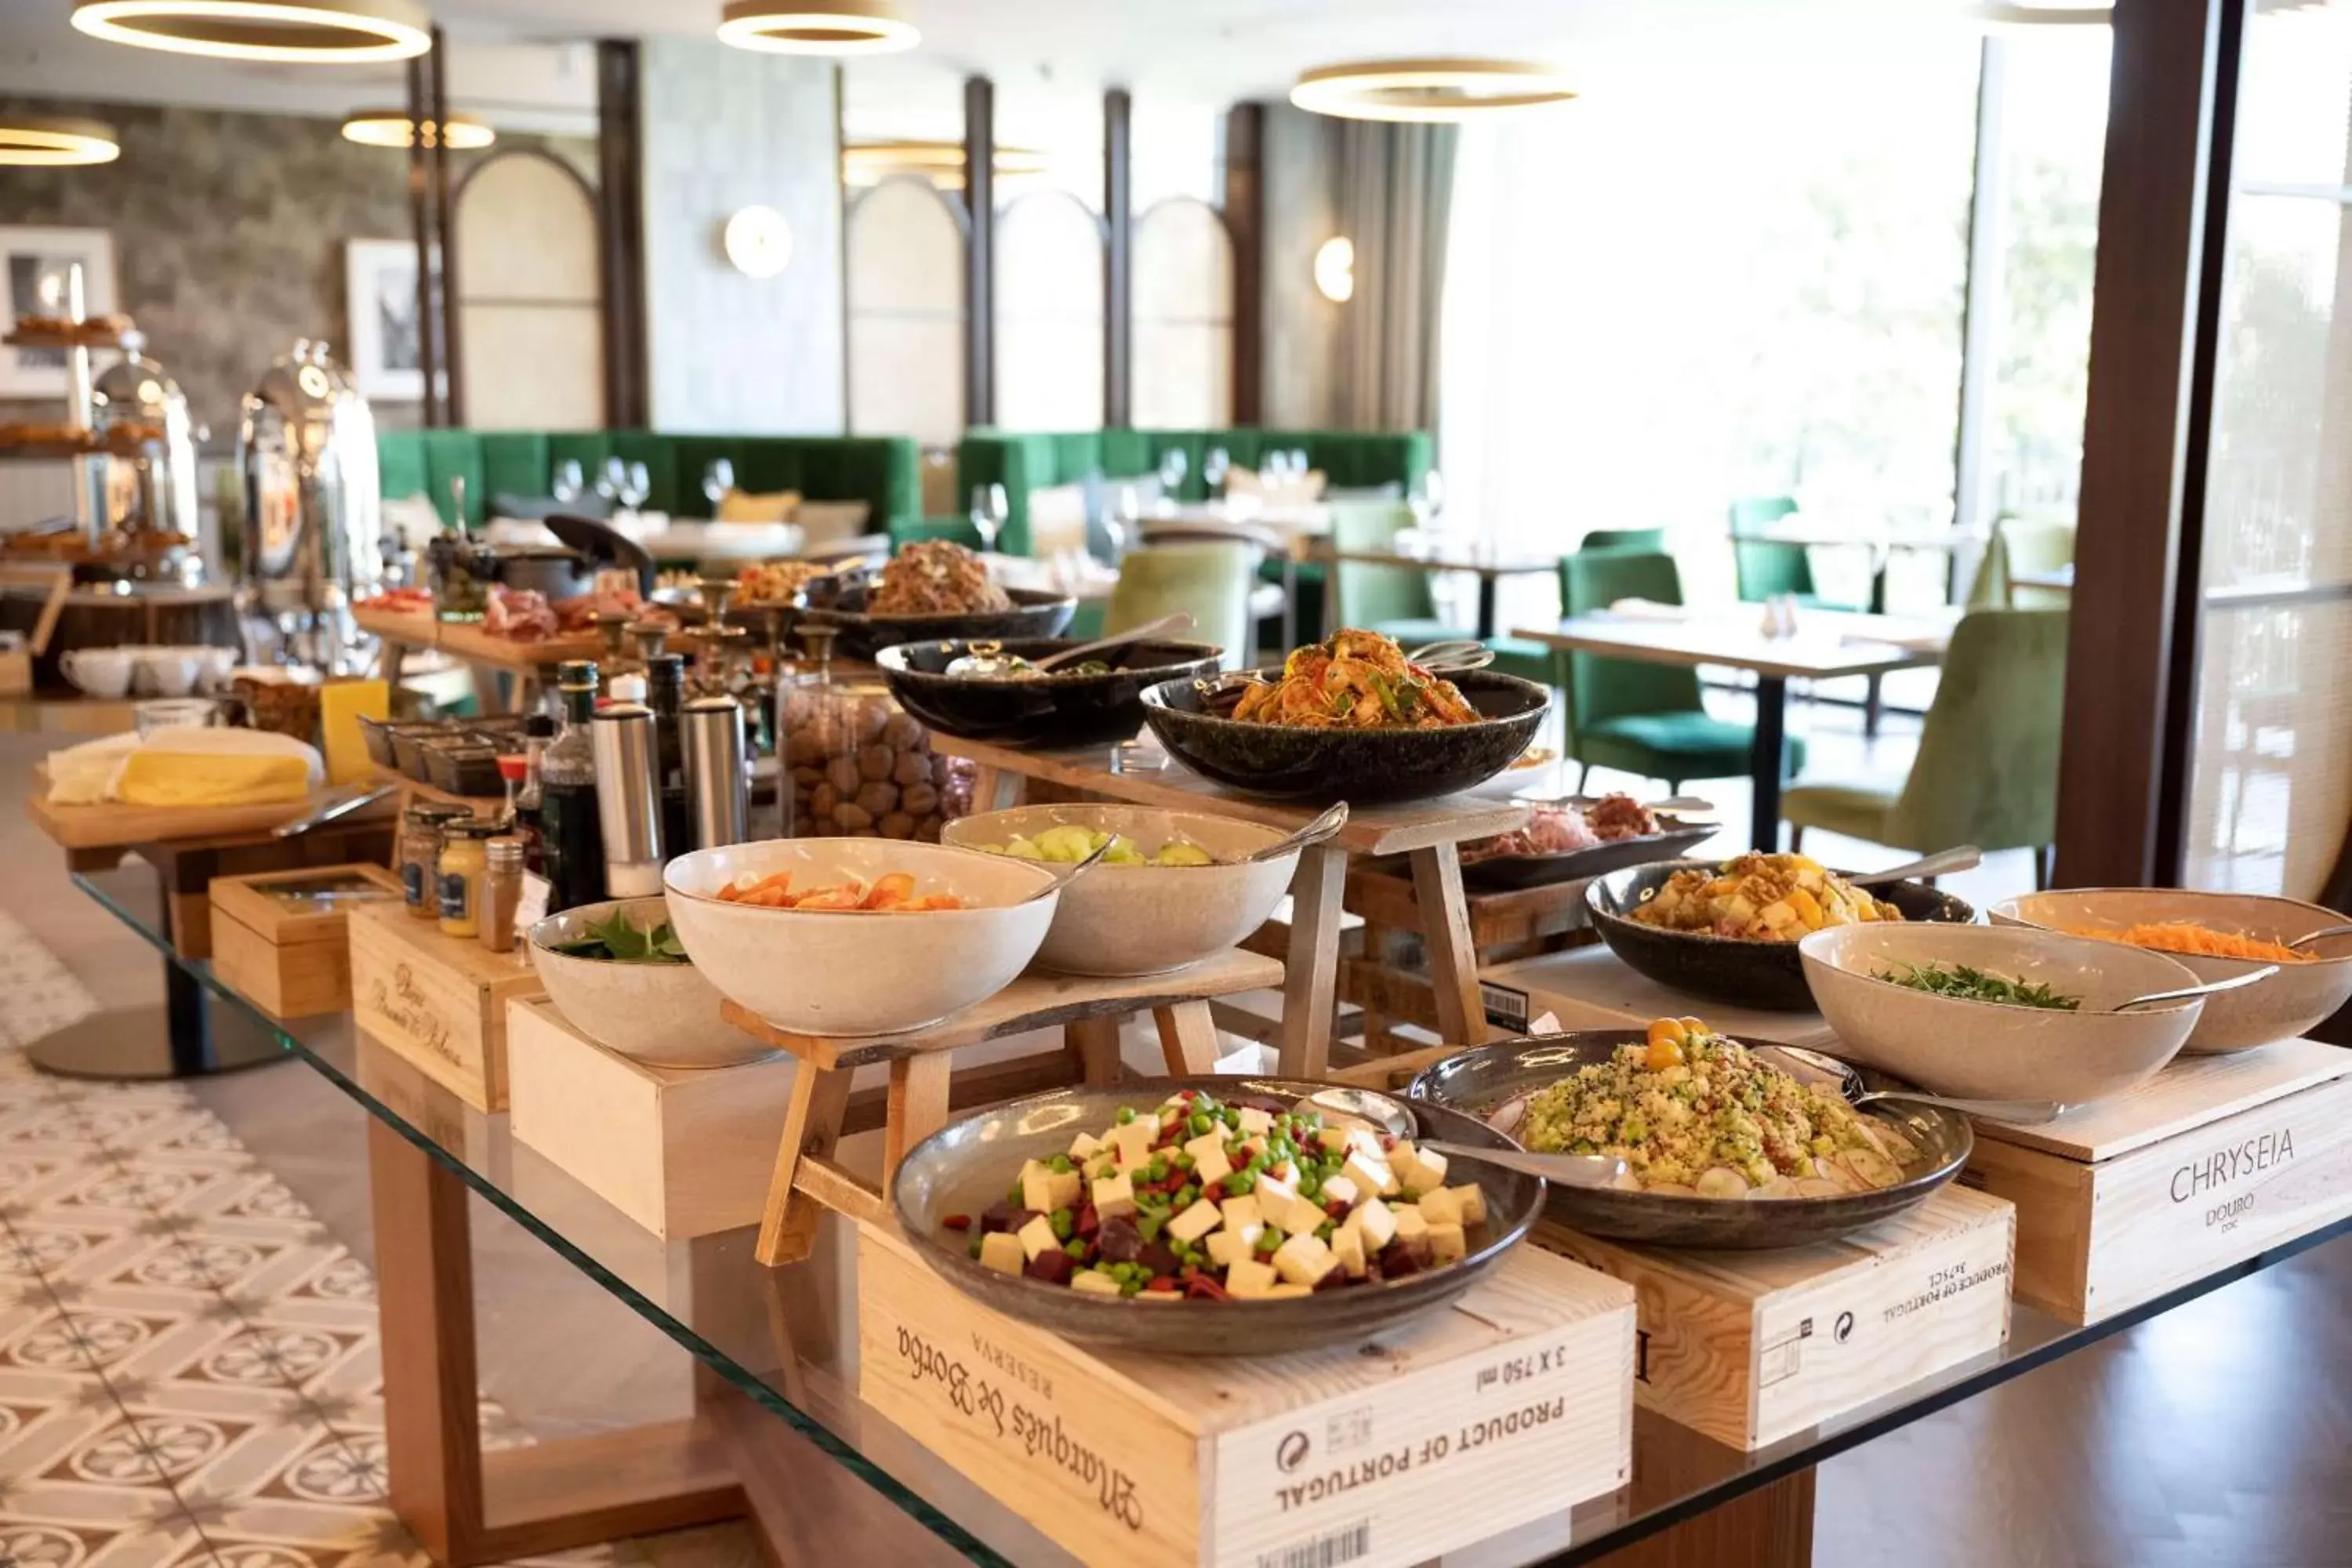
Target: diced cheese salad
column 1201, row 1198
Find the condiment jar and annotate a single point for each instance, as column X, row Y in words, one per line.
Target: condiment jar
column 856, row 764
column 460, row 879
column 501, row 892
column 420, row 854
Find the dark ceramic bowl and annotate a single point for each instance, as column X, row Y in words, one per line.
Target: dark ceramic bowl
column 1728, row 969
column 1492, row 1083
column 1360, row 766
column 1052, row 709
column 1035, row 613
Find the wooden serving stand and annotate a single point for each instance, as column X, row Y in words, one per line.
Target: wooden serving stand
column 1390, row 979
column 925, row 1085
column 466, row 642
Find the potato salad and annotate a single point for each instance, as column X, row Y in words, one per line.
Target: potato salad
column 1764, row 898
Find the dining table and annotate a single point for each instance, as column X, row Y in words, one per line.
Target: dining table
column 1825, row 644
column 1884, row 540
column 1485, row 559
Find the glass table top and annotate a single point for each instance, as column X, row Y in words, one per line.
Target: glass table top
column 787, row 1336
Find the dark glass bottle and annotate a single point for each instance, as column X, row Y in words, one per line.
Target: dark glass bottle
column 538, row 731
column 666, row 695
column 572, row 839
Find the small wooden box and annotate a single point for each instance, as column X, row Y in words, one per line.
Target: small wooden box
column 1508, row 1407
column 1592, row 988
column 683, row 1152
column 282, row 939
column 2212, row 1161
column 1749, row 1347
column 440, row 1001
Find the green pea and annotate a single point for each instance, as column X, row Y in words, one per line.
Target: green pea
column 1240, row 1182
column 1158, row 1170
column 1325, row 1229
column 1149, row 1227
column 1062, row 1220
column 1013, row 1196
column 1270, row 1239
column 975, row 1249
column 1188, row 1194
column 1309, row 1185
column 1059, row 1164
column 1126, row 1114
column 1077, row 1250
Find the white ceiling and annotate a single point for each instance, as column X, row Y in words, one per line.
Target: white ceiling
column 1199, row 51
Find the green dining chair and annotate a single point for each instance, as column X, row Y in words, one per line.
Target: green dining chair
column 1766, row 568
column 1645, row 719
column 1394, row 601
column 1212, row 581
column 2039, row 547
column 1547, row 666
column 1987, row 770
column 1624, row 539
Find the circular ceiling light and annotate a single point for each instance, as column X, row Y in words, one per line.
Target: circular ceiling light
column 346, row 32
column 1335, row 269
column 1432, row 89
column 51, row 144
column 816, row 28
column 392, row 127
column 758, row 242
column 941, row 162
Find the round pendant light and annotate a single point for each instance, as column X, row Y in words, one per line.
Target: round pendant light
column 52, row 143
column 816, row 28
column 941, row 162
column 347, row 32
column 392, row 127
column 1431, row 90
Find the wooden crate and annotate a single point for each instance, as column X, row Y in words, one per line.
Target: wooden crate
column 440, row 1001
column 1390, row 981
column 683, row 1152
column 291, row 955
column 1506, row 1408
column 2212, row 1161
column 1749, row 1347
column 1592, row 988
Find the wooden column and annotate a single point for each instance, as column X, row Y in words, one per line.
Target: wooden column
column 979, row 251
column 621, row 255
column 453, row 357
column 1118, row 257
column 1242, row 201
column 2132, row 647
column 420, row 223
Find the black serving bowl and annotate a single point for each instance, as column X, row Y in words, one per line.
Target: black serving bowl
column 1361, row 766
column 1738, row 970
column 1035, row 613
column 1051, row 710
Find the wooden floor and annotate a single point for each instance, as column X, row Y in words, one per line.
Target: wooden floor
column 2219, row 1435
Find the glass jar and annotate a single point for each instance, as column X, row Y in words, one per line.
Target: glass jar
column 421, row 828
column 460, row 879
column 501, row 892
column 856, row 764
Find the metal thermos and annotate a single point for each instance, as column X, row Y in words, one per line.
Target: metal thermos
column 628, row 800
column 718, row 780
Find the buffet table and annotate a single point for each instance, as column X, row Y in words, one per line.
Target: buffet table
column 502, row 657
column 784, row 1435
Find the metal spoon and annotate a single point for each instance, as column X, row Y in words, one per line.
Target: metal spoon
column 2153, row 997
column 986, row 661
column 1567, row 1170
column 1960, row 858
column 1322, row 828
column 1454, row 653
column 1076, row 870
column 2025, row 1111
column 1452, row 659
column 1674, row 805
column 2344, row 930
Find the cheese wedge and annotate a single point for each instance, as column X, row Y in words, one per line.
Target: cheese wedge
column 182, row 778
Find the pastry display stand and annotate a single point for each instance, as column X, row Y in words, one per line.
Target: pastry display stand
column 925, row 1085
column 1427, row 833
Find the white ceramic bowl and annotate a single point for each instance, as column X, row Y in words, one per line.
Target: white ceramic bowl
column 847, row 973
column 1145, row 919
column 1987, row 1050
column 666, row 1014
column 2279, row 1008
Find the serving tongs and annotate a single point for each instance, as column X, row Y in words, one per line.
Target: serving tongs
column 1453, row 656
column 986, row 660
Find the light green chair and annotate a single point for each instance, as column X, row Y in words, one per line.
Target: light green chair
column 2039, row 547
column 1987, row 771
column 1394, row 601
column 1645, row 719
column 1213, row 582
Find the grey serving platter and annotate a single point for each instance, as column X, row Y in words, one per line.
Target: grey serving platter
column 965, row 1167
column 1485, row 1079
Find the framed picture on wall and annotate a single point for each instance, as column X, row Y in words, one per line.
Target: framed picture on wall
column 36, row 272
column 379, row 302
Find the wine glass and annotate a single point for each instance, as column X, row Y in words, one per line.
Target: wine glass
column 636, row 484
column 609, row 482
column 567, row 482
column 1172, row 467
column 1428, row 497
column 1120, row 523
column 989, row 509
column 1219, row 464
column 718, row 478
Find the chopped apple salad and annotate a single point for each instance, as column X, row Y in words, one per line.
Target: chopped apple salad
column 1241, row 1199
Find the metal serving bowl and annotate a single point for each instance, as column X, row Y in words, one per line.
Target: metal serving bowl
column 963, row 1168
column 1486, row 1080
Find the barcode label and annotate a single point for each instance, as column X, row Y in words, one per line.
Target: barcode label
column 1342, row 1545
column 1506, row 1008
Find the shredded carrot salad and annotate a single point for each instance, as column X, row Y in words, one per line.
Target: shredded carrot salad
column 2187, row 936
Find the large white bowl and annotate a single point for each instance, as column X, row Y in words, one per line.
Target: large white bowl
column 1987, row 1050
column 845, row 973
column 666, row 1014
column 2279, row 1008
column 1145, row 919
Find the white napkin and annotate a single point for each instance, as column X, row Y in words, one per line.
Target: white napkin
column 1648, row 610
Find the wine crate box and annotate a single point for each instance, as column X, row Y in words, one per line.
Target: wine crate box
column 439, row 1001
column 283, row 939
column 683, row 1152
column 2207, row 1163
column 1505, row 1408
column 1592, row 988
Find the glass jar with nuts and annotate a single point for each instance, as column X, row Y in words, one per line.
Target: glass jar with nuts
column 854, row 765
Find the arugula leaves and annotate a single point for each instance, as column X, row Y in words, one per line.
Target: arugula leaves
column 619, row 941
column 1976, row 985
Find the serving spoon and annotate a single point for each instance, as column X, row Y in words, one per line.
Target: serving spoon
column 1959, row 858
column 988, row 658
column 1445, row 658
column 1321, row 829
column 1828, row 1071
column 1389, row 1114
column 2343, row 929
column 1076, row 871
column 2208, row 989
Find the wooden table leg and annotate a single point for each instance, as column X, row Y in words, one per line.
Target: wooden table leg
column 1376, row 957
column 1093, row 1045
column 812, row 1127
column 1446, row 934
column 1771, row 1527
column 463, row 1506
column 918, row 1107
column 1188, row 1039
column 1307, row 991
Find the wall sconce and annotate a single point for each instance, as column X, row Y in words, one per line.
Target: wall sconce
column 757, row 242
column 1335, row 269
